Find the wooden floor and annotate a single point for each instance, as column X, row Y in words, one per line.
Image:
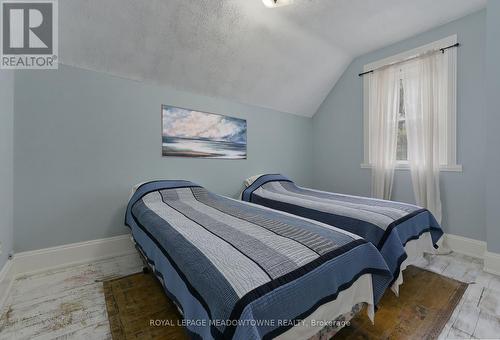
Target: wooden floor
column 69, row 303
column 63, row 304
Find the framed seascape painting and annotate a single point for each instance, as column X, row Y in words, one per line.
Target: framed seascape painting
column 189, row 133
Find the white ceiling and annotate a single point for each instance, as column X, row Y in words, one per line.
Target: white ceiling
column 285, row 58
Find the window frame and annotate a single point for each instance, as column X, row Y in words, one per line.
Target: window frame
column 451, row 140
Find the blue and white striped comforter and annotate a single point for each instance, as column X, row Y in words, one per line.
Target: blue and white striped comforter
column 235, row 269
column 386, row 224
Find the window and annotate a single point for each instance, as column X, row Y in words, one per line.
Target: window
column 447, row 122
column 402, row 146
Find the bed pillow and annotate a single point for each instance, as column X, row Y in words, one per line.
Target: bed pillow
column 248, row 182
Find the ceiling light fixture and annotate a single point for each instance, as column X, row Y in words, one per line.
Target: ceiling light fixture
column 276, row 3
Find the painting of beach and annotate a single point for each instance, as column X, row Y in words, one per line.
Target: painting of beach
column 189, row 133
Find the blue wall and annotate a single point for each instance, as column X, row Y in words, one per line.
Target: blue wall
column 492, row 126
column 338, row 131
column 83, row 138
column 6, row 162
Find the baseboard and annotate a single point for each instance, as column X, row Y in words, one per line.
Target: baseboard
column 5, row 281
column 69, row 254
column 474, row 248
column 31, row 262
column 5, row 272
column 492, row 263
column 464, row 245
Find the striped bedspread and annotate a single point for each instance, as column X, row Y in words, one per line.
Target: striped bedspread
column 237, row 270
column 386, row 224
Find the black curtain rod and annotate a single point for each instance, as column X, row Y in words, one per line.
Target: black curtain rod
column 441, row 49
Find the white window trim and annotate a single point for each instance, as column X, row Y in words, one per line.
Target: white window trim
column 404, row 165
column 452, row 119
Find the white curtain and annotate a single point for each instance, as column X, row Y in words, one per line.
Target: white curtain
column 425, row 88
column 383, row 106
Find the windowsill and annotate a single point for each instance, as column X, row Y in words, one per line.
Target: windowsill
column 406, row 166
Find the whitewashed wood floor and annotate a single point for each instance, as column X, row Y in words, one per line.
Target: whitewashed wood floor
column 66, row 303
column 69, row 303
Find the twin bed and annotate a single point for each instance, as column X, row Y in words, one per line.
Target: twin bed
column 401, row 232
column 243, row 271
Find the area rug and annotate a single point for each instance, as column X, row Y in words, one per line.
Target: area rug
column 139, row 309
column 424, row 306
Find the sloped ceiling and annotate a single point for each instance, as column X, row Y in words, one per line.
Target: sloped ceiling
column 286, row 58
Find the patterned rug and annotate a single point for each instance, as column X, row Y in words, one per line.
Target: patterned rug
column 139, row 309
column 425, row 304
